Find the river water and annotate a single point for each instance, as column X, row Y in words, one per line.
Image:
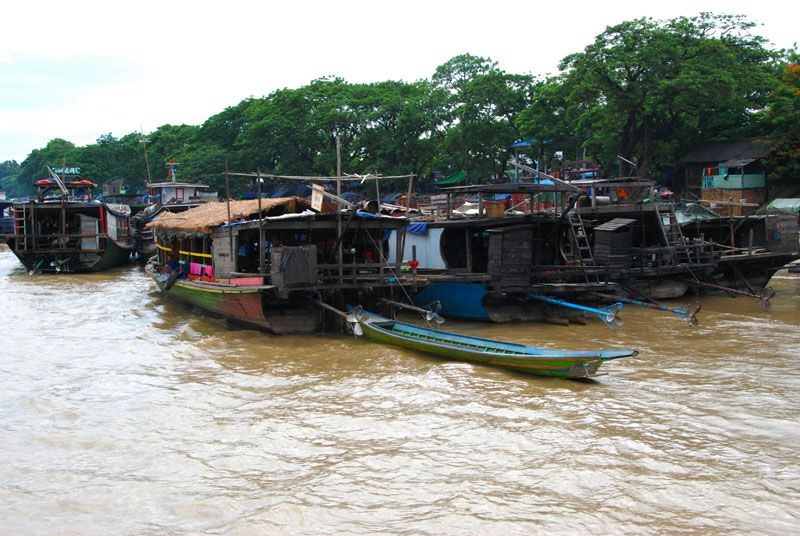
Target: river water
column 123, row 414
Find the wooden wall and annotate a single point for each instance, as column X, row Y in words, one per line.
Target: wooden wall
column 732, row 201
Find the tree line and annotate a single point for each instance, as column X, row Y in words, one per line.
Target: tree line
column 636, row 99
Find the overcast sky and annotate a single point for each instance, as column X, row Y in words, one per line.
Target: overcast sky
column 80, row 69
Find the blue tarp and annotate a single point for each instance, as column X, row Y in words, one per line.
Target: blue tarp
column 501, row 197
column 280, row 193
column 420, row 228
column 527, row 143
column 391, row 198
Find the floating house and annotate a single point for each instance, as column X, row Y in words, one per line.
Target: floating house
column 269, row 263
column 65, row 229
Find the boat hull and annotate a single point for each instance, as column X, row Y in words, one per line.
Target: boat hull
column 541, row 362
column 474, row 301
column 46, row 260
column 251, row 307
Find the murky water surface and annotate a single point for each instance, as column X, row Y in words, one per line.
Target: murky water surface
column 122, row 414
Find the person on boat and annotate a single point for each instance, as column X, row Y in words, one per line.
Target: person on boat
column 171, row 265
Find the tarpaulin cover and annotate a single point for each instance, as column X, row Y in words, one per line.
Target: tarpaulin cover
column 455, row 178
column 785, row 204
column 695, row 212
column 420, row 228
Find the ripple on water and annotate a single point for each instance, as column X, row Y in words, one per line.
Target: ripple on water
column 121, row 413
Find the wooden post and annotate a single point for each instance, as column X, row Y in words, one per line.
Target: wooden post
column 750, row 242
column 400, row 246
column 468, row 234
column 449, row 205
column 414, row 270
column 410, row 193
column 378, row 194
column 233, row 257
column 63, row 226
column 339, row 209
column 260, row 228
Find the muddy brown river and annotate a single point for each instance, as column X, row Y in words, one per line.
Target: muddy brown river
column 123, row 414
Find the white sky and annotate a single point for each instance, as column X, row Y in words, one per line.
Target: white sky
column 79, row 69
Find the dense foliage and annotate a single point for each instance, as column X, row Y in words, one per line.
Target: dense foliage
column 645, row 91
column 784, row 119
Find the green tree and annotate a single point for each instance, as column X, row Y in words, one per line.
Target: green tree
column 34, row 167
column 647, row 90
column 9, row 171
column 480, row 107
column 461, row 129
column 293, row 131
column 397, row 135
column 547, row 122
column 784, row 119
column 165, row 144
column 102, row 161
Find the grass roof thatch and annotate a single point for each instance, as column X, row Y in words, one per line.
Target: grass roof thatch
column 201, row 219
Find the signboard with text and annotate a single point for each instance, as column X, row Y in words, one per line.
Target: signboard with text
column 67, row 171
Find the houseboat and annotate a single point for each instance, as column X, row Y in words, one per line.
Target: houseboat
column 482, row 262
column 64, row 229
column 269, row 263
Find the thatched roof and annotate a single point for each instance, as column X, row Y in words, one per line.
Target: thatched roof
column 714, row 152
column 201, row 219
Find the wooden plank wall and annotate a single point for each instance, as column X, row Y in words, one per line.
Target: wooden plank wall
column 757, row 196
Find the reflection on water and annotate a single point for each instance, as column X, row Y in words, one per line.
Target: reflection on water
column 122, row 414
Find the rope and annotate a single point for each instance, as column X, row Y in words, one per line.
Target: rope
column 385, row 261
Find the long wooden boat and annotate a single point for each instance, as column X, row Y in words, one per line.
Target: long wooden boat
column 539, row 361
column 64, row 229
column 215, row 265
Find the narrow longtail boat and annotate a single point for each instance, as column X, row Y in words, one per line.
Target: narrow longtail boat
column 539, row 361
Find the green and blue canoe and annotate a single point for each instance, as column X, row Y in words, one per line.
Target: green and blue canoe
column 539, row 361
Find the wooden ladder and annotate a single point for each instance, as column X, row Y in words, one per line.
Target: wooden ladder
column 21, row 222
column 673, row 237
column 583, row 249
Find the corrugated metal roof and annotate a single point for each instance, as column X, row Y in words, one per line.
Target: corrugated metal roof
column 613, row 225
column 714, row 152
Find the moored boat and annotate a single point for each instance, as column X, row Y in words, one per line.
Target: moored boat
column 265, row 263
column 538, row 361
column 170, row 196
column 65, row 229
